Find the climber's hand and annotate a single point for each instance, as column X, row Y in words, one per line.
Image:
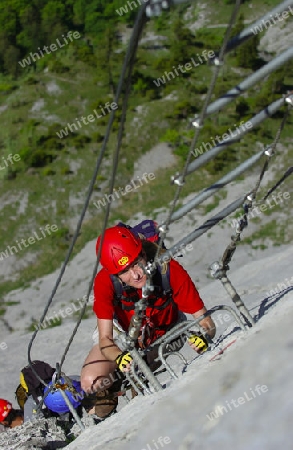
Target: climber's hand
column 123, row 361
column 198, row 342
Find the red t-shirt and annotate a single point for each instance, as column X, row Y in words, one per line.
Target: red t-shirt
column 185, row 295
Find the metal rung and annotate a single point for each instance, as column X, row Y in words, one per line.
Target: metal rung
column 185, row 326
column 178, row 330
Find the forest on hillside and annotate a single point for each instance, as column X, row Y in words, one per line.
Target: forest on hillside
column 91, row 39
column 27, row 25
column 88, row 37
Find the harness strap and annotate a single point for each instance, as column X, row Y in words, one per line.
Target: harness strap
column 121, row 299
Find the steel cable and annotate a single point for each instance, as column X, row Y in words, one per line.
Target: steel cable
column 181, row 178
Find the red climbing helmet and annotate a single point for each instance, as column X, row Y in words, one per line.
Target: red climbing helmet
column 119, row 250
column 5, row 408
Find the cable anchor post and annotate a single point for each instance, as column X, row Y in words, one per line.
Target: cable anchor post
column 289, row 98
column 219, row 272
column 177, row 179
column 216, row 61
column 197, row 121
column 269, row 151
column 163, row 229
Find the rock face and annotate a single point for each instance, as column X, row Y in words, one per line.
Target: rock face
column 43, row 434
column 277, row 38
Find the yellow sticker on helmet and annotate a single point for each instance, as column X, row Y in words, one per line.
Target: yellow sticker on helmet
column 124, row 260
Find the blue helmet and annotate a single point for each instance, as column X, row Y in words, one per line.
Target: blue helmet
column 55, row 401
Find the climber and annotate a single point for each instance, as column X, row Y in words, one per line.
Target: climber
column 38, row 400
column 10, row 417
column 123, row 256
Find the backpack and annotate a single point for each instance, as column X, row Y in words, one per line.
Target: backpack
column 30, row 384
column 147, row 229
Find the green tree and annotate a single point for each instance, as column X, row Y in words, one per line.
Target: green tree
column 247, row 56
column 106, row 58
column 9, row 23
column 31, row 35
column 238, row 27
column 94, row 15
column 182, row 43
column 11, row 58
column 242, row 107
column 247, row 53
column 54, row 20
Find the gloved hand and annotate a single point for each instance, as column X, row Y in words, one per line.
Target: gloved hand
column 199, row 341
column 123, row 359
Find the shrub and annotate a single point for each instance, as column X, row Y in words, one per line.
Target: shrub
column 171, row 136
column 85, row 54
column 182, row 150
column 207, row 39
column 79, row 140
column 100, row 102
column 55, row 65
column 152, row 94
column 6, row 88
column 183, row 109
column 25, row 154
column 140, row 86
column 97, row 137
column 49, row 143
column 242, row 107
column 48, row 172
column 40, row 158
column 31, row 80
column 66, row 170
column 199, row 88
column 162, row 64
column 222, row 161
